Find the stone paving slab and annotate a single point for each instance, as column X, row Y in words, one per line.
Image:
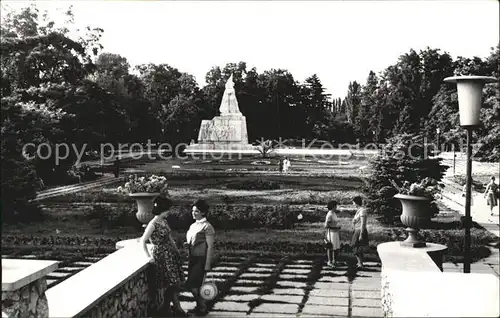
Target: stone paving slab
column 366, row 294
column 374, row 288
column 288, row 291
column 357, row 302
column 264, row 265
column 243, row 289
column 329, row 292
column 325, row 310
column 253, row 276
column 226, row 314
column 319, row 285
column 219, row 274
column 276, row 308
column 319, row 316
column 295, row 271
column 260, row 269
column 367, row 312
column 333, row 279
column 228, row 265
column 224, row 269
column 303, row 261
column 187, row 305
column 336, row 270
column 82, row 264
column 286, row 298
column 71, row 269
column 481, row 268
column 289, row 284
column 328, row 301
column 293, row 277
column 366, row 281
column 299, row 266
column 265, row 315
column 231, row 306
column 241, row 298
column 58, row 274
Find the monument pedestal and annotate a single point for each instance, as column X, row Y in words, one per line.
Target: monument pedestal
column 225, row 132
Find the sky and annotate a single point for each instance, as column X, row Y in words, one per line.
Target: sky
column 340, row 41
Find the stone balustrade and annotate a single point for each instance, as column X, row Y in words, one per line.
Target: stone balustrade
column 23, row 287
column 120, row 285
column 414, row 285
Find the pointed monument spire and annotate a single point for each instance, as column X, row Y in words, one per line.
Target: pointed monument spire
column 230, row 83
column 229, row 105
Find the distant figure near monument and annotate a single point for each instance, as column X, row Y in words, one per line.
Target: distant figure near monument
column 227, row 131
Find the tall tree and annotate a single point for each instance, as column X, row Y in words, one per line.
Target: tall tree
column 367, row 117
column 352, row 102
column 40, row 68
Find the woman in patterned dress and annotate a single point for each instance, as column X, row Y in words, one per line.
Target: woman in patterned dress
column 166, row 256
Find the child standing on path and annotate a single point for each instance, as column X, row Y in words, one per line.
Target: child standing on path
column 332, row 238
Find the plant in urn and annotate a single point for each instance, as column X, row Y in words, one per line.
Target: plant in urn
column 144, row 190
column 417, row 200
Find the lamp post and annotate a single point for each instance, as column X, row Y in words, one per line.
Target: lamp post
column 469, row 89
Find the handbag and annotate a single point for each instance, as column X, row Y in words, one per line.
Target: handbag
column 208, row 290
column 327, row 245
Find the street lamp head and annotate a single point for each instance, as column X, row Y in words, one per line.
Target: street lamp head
column 469, row 89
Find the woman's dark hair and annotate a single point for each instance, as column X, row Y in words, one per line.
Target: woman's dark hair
column 331, row 204
column 161, row 204
column 202, row 205
column 358, row 200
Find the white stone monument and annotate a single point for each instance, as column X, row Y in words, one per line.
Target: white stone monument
column 225, row 132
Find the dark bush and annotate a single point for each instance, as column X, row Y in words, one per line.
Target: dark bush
column 254, row 185
column 237, row 216
column 86, row 173
column 19, row 183
column 476, row 185
column 106, row 216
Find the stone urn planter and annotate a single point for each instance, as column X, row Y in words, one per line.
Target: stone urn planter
column 416, row 214
column 144, row 205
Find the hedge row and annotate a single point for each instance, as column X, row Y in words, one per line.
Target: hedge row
column 222, row 216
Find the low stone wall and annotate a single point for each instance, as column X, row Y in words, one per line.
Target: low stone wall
column 413, row 285
column 130, row 300
column 24, row 286
column 28, row 301
column 120, row 285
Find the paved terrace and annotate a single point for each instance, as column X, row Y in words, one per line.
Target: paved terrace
column 261, row 287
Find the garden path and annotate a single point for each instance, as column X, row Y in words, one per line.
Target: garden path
column 481, row 215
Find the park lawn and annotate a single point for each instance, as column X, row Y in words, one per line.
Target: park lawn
column 75, row 222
